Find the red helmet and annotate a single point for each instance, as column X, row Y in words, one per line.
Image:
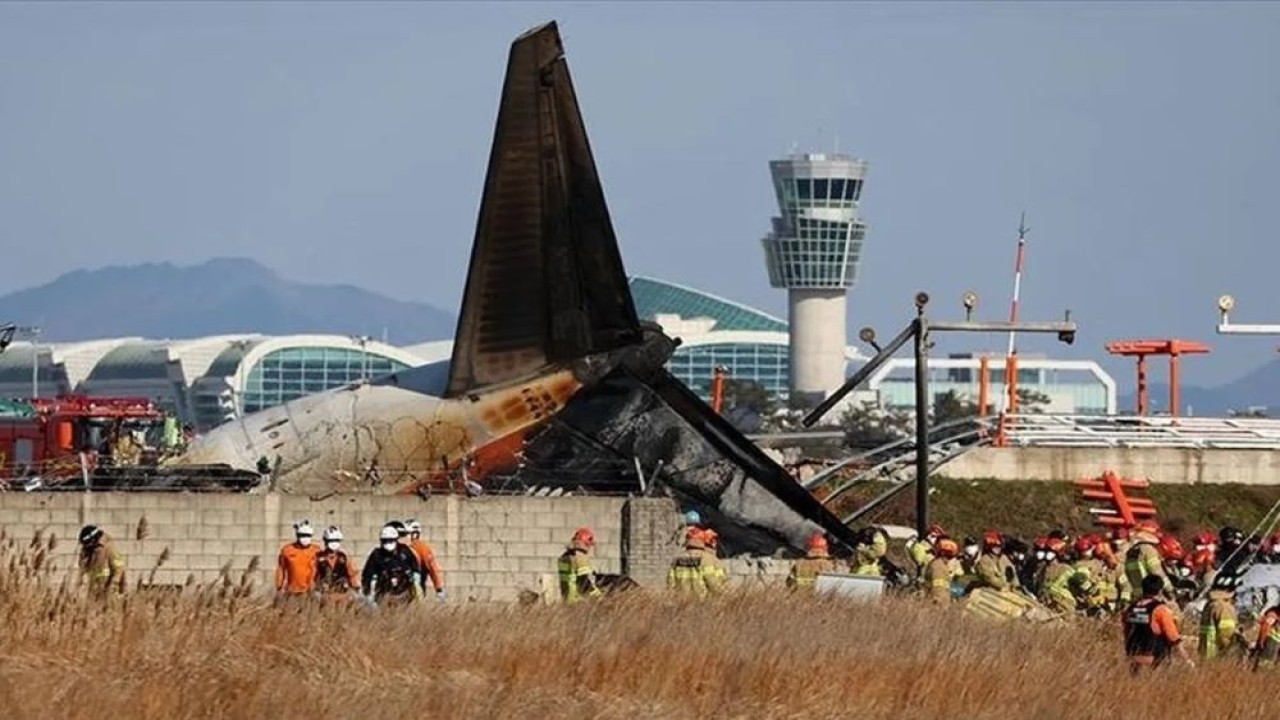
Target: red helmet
column 947, row 548
column 936, row 530
column 695, row 538
column 991, row 539
column 584, row 537
column 1170, row 548
column 1150, row 527
column 1085, row 545
column 817, row 543
column 710, row 537
column 1056, row 545
column 1204, row 538
column 1120, row 533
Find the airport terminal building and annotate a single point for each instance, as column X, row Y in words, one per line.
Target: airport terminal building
column 208, row 381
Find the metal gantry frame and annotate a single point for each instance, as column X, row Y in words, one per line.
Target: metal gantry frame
column 918, row 331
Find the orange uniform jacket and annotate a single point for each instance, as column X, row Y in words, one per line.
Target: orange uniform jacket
column 296, row 569
column 427, row 558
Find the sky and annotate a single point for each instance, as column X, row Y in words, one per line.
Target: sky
column 346, row 143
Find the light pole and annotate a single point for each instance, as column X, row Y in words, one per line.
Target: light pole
column 919, row 330
column 363, row 341
column 1226, row 304
column 33, row 332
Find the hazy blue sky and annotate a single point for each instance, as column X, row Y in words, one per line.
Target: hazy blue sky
column 347, row 143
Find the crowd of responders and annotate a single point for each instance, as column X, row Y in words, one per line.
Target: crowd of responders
column 1144, row 575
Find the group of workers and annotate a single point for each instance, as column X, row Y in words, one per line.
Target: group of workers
column 1144, row 575
column 397, row 570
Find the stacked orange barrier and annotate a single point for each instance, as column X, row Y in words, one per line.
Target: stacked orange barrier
column 1121, row 509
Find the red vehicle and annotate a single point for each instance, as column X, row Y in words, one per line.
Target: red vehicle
column 49, row 437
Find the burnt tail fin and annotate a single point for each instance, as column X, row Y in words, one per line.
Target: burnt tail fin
column 546, row 283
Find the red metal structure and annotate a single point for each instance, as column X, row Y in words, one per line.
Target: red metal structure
column 717, row 388
column 1174, row 348
column 1120, row 509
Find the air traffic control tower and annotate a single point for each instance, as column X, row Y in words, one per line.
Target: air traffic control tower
column 813, row 252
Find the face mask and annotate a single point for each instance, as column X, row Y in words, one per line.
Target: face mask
column 389, row 545
column 971, row 550
column 333, row 545
column 1040, row 555
column 304, row 540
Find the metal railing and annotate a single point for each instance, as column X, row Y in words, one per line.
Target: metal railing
column 1140, row 432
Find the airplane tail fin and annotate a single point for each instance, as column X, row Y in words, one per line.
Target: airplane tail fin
column 546, row 283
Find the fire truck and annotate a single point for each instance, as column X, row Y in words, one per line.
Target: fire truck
column 72, row 435
column 73, row 442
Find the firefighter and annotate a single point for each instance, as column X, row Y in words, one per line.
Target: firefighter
column 577, row 577
column 1061, row 585
column 1087, row 565
column 426, row 558
column 1151, row 632
column 392, row 573
column 921, row 550
column 1218, row 622
column 336, row 574
column 697, row 572
column 1143, row 557
column 296, row 563
column 939, row 571
column 816, row 560
column 1113, row 582
column 1266, row 651
column 100, row 562
column 873, row 543
column 1204, row 561
column 993, row 569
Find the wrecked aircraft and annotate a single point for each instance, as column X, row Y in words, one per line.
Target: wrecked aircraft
column 552, row 375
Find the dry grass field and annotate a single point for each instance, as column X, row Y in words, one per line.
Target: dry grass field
column 217, row 653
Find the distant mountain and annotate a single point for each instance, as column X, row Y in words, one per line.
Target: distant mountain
column 1260, row 388
column 225, row 295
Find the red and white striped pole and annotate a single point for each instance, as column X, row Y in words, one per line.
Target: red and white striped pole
column 1009, row 400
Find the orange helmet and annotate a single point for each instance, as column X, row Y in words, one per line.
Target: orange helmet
column 1170, row 548
column 710, row 537
column 1085, row 545
column 1147, row 526
column 1106, row 553
column 584, row 537
column 695, row 539
column 817, row 543
column 947, row 548
column 991, row 539
column 936, row 531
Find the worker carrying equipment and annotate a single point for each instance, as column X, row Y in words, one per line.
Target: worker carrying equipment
column 1151, row 632
column 100, row 563
column 698, row 571
column 577, row 577
column 296, row 563
column 392, row 572
column 426, row 558
column 804, row 572
column 335, row 572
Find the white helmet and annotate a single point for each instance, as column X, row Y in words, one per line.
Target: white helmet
column 332, row 534
column 388, row 533
column 414, row 526
column 303, row 528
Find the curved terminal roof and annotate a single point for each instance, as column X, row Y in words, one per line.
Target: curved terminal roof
column 238, row 359
column 659, row 297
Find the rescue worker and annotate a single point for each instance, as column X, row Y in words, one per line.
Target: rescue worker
column 100, row 563
column 1088, row 565
column 391, row 574
column 994, row 569
column 1033, row 569
column 577, row 577
column 1019, row 554
column 697, row 572
column 1061, row 585
column 1266, row 651
column 872, row 545
column 1143, row 557
column 1113, row 582
column 426, row 559
column 336, row 574
column 1204, row 561
column 921, row 551
column 296, row 563
column 1150, row 628
column 969, row 555
column 1218, row 623
column 816, row 560
column 939, row 571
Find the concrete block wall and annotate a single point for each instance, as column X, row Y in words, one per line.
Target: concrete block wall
column 490, row 548
column 1161, row 465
